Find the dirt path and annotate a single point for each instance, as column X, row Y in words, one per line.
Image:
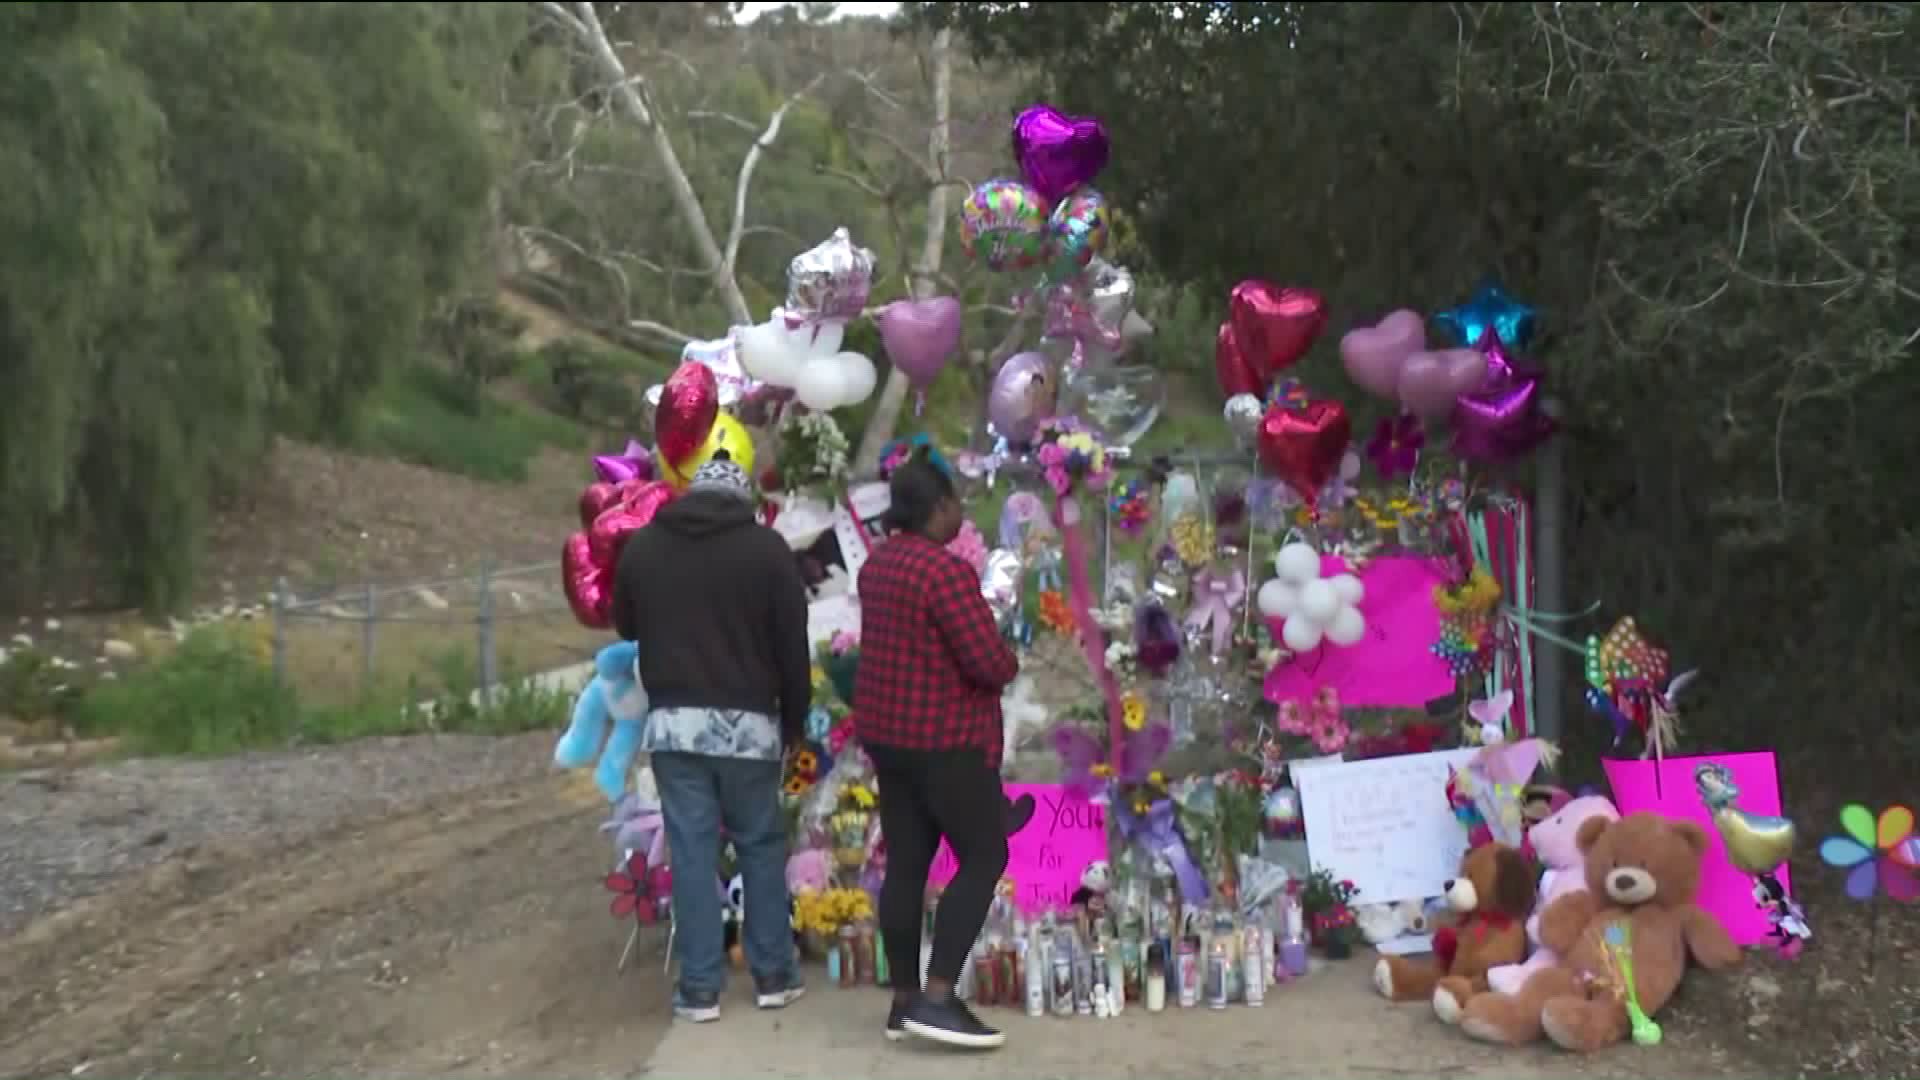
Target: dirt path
column 468, row 938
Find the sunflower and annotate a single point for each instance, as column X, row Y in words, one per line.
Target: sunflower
column 798, row 785
column 805, row 763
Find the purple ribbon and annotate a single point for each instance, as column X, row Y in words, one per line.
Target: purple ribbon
column 1159, row 834
column 1213, row 602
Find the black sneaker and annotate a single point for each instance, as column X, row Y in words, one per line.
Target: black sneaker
column 696, row 1007
column 1019, row 812
column 895, row 1014
column 778, row 993
column 949, row 1022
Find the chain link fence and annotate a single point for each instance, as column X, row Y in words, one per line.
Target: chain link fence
column 450, row 636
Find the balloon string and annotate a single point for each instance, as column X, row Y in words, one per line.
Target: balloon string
column 1521, row 622
column 1073, row 545
column 1523, row 586
column 1482, row 557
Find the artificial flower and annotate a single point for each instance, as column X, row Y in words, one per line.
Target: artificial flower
column 1055, row 615
column 970, row 546
column 1396, row 444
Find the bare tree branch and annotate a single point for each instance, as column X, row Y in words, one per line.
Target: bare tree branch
column 926, row 273
column 748, row 164
column 584, row 21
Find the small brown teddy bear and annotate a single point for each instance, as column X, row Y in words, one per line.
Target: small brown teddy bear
column 1492, row 898
column 1636, row 915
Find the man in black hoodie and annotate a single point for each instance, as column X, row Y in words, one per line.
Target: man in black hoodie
column 715, row 602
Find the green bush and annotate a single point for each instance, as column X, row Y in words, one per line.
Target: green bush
column 211, row 695
column 217, row 694
column 440, row 419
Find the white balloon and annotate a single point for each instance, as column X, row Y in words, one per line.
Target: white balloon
column 1277, row 599
column 1348, row 588
column 1318, row 601
column 766, row 355
column 812, row 339
column 1298, row 563
column 1299, row 633
column 1348, row 627
column 821, row 385
column 856, row 372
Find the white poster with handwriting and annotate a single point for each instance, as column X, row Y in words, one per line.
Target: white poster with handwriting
column 1384, row 824
column 856, row 524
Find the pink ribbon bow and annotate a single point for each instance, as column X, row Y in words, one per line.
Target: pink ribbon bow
column 1068, row 316
column 1213, row 602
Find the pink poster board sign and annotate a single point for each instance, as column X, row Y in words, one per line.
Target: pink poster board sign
column 1724, row 891
column 1045, row 859
column 1394, row 665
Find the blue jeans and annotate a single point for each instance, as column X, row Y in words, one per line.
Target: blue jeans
column 698, row 795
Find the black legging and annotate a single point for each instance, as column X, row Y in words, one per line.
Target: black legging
column 924, row 795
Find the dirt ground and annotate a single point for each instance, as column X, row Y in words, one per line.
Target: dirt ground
column 469, row 937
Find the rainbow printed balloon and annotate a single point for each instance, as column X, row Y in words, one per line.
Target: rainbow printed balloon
column 1003, row 224
column 1076, row 232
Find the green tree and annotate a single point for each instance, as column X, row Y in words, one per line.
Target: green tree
column 221, row 218
column 1707, row 203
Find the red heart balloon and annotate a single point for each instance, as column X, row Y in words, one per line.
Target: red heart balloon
column 1231, row 366
column 689, row 404
column 589, row 588
column 1275, row 326
column 1302, row 446
column 594, row 500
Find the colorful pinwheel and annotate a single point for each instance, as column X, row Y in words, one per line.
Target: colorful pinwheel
column 1876, row 856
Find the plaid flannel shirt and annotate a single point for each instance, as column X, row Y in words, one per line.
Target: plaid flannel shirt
column 932, row 660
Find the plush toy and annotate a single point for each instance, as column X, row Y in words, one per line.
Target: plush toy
column 613, row 699
column 1555, row 842
column 809, row 871
column 1490, row 900
column 1623, row 941
column 1381, row 923
column 1095, row 880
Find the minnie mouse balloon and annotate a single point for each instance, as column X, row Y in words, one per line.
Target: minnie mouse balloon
column 1023, row 394
column 821, row 385
column 859, row 375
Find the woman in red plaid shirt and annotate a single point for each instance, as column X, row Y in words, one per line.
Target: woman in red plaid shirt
column 933, row 665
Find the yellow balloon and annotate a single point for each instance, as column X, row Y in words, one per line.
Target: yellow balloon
column 727, row 434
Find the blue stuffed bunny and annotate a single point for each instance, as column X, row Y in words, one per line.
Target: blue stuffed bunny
column 614, row 699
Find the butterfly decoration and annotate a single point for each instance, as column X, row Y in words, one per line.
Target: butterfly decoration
column 1491, row 715
column 1088, row 771
column 1878, row 856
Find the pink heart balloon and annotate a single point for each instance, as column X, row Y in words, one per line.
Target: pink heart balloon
column 920, row 335
column 1431, row 381
column 1057, row 152
column 1373, row 355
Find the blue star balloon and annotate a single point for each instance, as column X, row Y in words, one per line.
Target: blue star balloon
column 1490, row 309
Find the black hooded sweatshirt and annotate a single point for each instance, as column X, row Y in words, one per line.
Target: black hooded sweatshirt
column 715, row 602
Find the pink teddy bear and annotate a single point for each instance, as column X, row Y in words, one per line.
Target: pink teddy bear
column 1554, row 843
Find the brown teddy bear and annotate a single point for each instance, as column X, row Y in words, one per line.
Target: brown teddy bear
column 1491, row 897
column 1624, row 940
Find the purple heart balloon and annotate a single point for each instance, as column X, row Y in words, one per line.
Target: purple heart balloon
column 1430, row 381
column 1373, row 355
column 1023, row 394
column 1057, row 152
column 920, row 335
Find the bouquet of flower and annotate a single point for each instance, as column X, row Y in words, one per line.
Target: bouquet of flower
column 803, row 771
column 848, row 823
column 1328, row 904
column 1070, row 457
column 822, row 913
column 812, row 452
column 840, row 659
